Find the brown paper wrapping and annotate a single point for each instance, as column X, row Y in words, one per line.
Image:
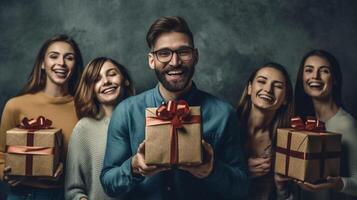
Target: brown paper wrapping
column 42, row 165
column 158, row 140
column 306, row 162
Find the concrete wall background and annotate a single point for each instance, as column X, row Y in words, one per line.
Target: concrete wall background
column 233, row 37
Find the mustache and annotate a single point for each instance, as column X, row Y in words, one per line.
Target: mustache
column 169, row 68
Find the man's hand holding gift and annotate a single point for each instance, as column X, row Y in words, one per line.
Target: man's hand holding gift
column 138, row 163
column 202, row 170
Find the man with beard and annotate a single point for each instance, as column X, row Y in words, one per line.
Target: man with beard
column 223, row 175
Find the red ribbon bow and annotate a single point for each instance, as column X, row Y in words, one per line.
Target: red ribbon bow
column 175, row 113
column 35, row 124
column 311, row 124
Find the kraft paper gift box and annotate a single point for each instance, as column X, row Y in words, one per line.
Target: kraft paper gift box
column 33, row 152
column 162, row 147
column 307, row 155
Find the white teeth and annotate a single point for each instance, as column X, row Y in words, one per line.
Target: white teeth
column 266, row 97
column 108, row 90
column 314, row 84
column 60, row 72
column 174, row 73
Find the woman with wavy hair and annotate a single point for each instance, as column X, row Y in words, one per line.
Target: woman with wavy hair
column 318, row 93
column 103, row 85
column 48, row 92
column 265, row 105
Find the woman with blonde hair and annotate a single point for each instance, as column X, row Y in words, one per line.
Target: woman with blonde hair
column 49, row 93
column 103, row 85
column 265, row 105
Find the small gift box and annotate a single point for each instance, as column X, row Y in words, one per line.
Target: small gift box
column 307, row 152
column 173, row 134
column 33, row 148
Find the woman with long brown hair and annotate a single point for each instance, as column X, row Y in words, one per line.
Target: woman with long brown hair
column 265, row 105
column 103, row 85
column 48, row 92
column 318, row 93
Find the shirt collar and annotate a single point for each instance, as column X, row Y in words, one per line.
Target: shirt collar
column 190, row 97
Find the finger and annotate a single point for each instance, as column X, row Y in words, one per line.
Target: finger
column 59, row 170
column 7, row 169
column 15, row 182
column 257, row 161
column 207, row 147
column 141, row 148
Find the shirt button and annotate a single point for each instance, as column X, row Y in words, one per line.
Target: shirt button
column 168, row 188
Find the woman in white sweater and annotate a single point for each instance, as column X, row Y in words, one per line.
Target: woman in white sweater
column 103, row 85
column 318, row 93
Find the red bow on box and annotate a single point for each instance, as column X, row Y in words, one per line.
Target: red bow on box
column 29, row 150
column 35, row 124
column 175, row 113
column 311, row 124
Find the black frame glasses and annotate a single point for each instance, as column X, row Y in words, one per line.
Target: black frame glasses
column 165, row 55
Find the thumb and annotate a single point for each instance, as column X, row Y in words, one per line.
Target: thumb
column 141, row 148
column 331, row 179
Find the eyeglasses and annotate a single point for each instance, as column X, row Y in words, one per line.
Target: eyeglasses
column 165, row 55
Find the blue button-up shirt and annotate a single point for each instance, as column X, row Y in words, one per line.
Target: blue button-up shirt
column 228, row 180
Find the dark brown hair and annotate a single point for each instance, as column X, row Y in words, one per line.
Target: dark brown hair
column 284, row 112
column 303, row 102
column 165, row 25
column 85, row 99
column 37, row 79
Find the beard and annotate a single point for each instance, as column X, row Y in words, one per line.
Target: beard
column 176, row 85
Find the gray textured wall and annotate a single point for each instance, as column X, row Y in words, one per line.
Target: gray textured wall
column 232, row 36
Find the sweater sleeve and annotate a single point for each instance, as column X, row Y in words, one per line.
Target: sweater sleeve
column 8, row 121
column 350, row 183
column 75, row 186
column 229, row 178
column 116, row 177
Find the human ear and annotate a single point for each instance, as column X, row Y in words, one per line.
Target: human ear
column 42, row 65
column 126, row 83
column 196, row 57
column 151, row 61
column 249, row 89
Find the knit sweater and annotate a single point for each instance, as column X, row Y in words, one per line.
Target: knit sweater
column 343, row 123
column 85, row 160
column 60, row 110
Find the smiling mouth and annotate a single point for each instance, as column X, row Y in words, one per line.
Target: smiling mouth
column 109, row 90
column 61, row 73
column 174, row 73
column 267, row 98
column 316, row 85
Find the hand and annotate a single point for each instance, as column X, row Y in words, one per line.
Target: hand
column 203, row 170
column 280, row 181
column 12, row 180
column 138, row 163
column 332, row 183
column 83, row 198
column 259, row 166
column 59, row 171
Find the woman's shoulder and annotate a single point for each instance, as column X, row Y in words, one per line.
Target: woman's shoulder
column 342, row 122
column 17, row 101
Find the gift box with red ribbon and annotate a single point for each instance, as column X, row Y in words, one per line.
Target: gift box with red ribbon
column 173, row 134
column 33, row 148
column 307, row 152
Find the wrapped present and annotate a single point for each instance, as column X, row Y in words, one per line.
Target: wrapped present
column 173, row 134
column 306, row 152
column 33, row 148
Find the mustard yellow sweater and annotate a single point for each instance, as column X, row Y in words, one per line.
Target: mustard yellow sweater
column 58, row 109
